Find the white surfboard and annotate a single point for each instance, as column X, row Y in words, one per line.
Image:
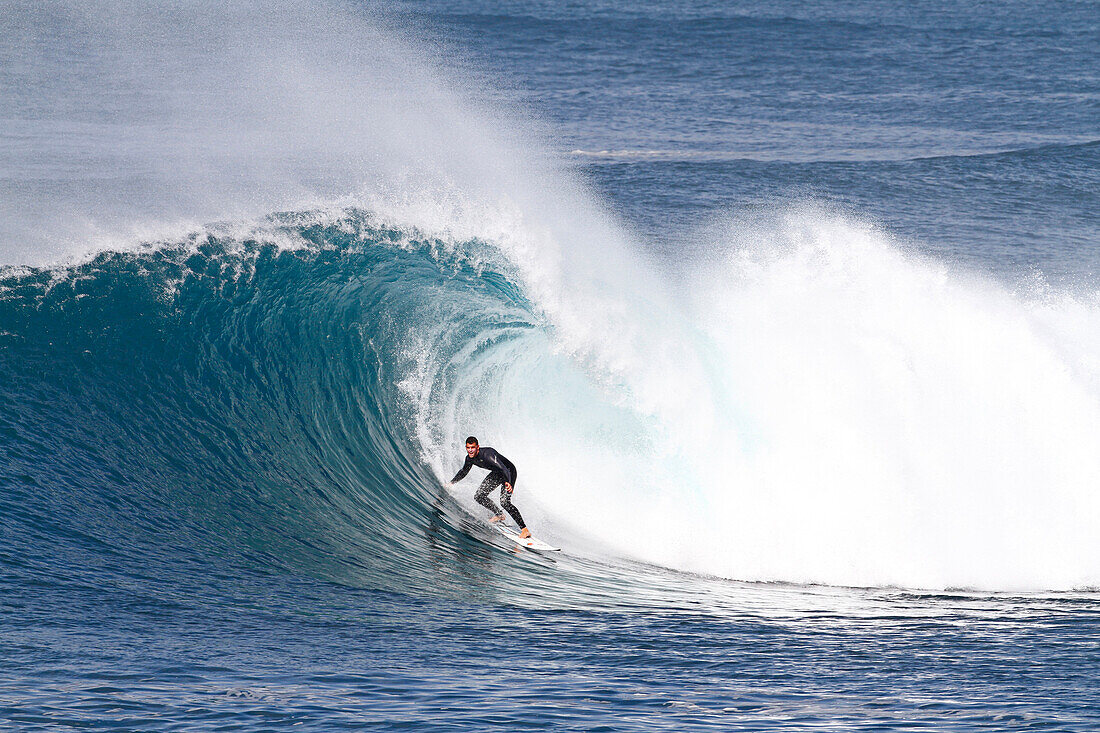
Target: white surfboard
column 531, row 543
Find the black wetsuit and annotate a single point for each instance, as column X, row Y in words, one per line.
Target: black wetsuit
column 500, row 471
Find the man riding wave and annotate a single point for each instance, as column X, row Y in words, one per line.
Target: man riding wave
column 502, row 472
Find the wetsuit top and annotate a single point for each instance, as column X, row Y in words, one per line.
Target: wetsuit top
column 490, row 459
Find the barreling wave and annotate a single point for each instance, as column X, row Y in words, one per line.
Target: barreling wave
column 817, row 406
column 238, row 397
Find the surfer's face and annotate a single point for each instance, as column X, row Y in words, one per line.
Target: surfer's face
column 471, row 448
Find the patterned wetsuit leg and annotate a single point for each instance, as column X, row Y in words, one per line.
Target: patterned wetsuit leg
column 506, row 502
column 491, row 481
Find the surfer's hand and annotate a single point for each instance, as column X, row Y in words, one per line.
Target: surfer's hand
column 508, row 487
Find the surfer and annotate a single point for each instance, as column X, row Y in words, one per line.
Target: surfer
column 501, row 471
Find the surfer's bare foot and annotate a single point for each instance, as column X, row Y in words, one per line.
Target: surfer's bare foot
column 497, row 518
column 525, row 533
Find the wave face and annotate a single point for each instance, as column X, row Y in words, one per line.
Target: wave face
column 218, row 394
column 284, row 398
column 820, row 406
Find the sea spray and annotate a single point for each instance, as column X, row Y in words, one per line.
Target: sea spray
column 874, row 417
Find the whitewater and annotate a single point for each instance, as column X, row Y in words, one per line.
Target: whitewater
column 813, row 408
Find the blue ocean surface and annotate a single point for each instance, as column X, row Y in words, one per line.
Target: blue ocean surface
column 788, row 315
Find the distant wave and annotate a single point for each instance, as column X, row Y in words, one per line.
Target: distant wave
column 854, row 156
column 1084, row 145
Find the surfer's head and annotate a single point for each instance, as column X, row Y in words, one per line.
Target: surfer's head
column 471, row 446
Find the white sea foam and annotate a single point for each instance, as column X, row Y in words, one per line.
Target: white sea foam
column 838, row 410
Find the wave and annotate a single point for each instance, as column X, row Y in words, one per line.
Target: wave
column 285, row 397
column 1044, row 148
column 1041, row 149
column 819, row 406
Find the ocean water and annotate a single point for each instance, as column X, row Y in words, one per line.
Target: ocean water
column 788, row 315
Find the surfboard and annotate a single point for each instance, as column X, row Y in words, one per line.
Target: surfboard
column 531, row 543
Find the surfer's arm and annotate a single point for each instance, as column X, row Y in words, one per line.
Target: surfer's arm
column 463, row 471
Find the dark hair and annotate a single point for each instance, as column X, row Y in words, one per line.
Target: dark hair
column 471, row 439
